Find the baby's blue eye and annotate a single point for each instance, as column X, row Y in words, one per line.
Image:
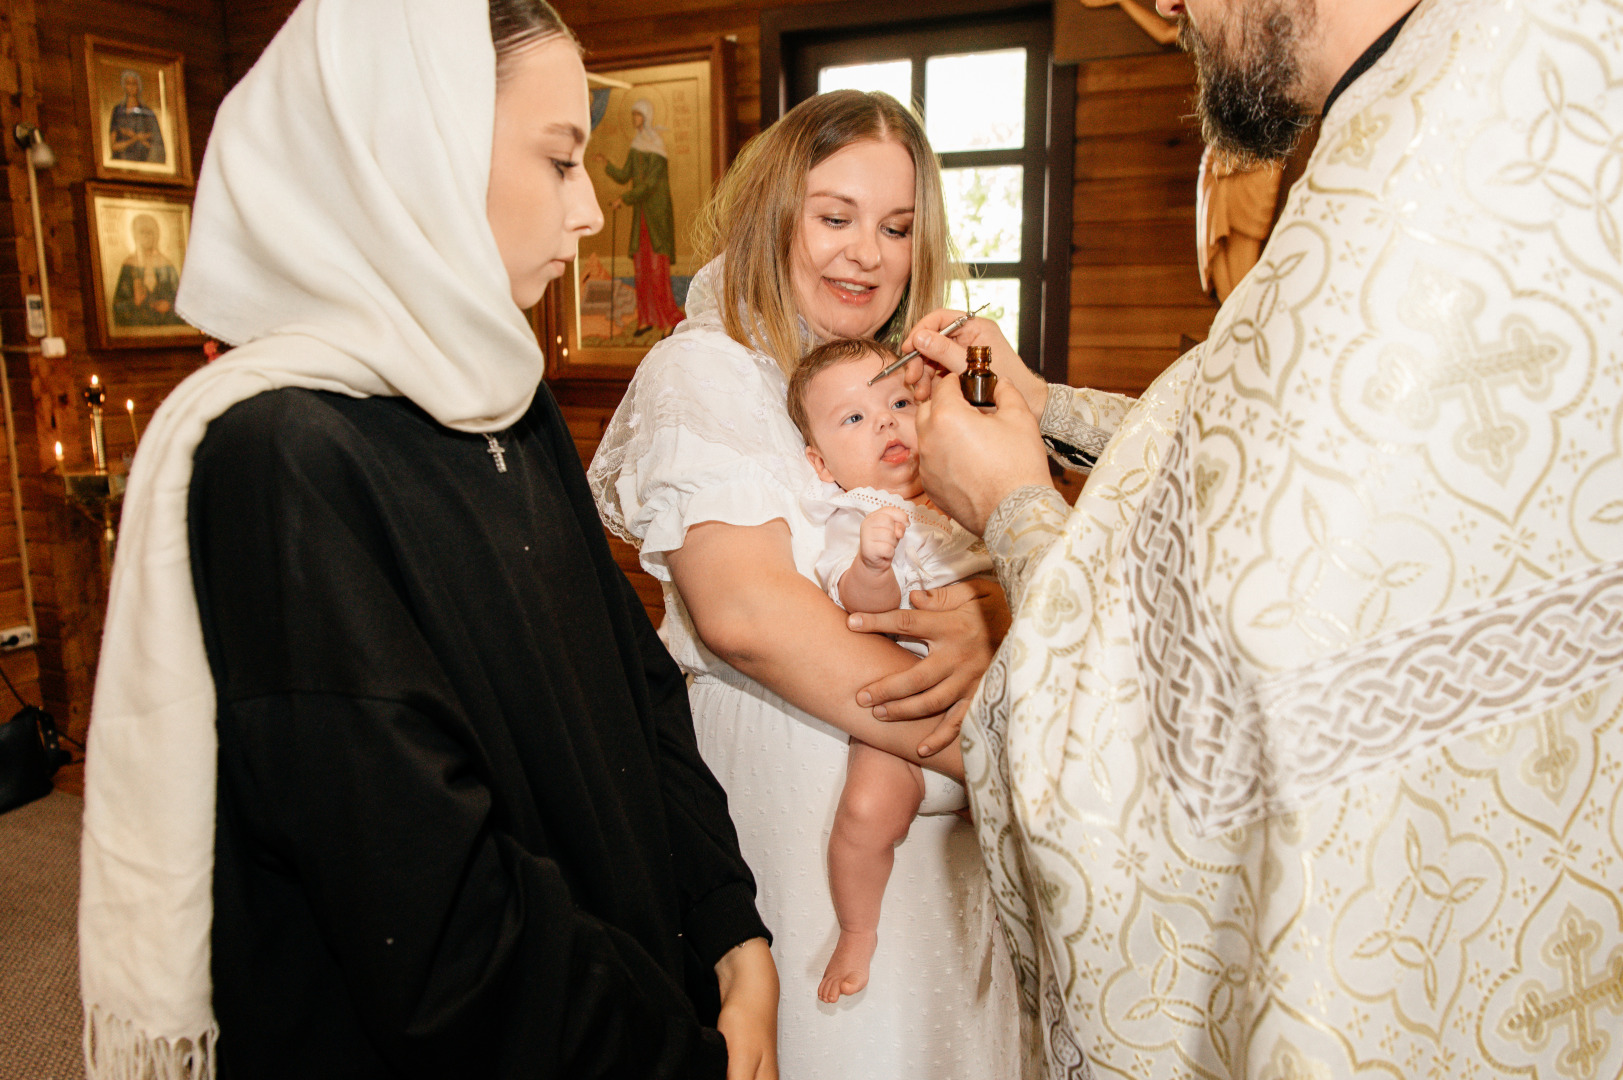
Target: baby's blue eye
column 902, row 403
column 854, row 418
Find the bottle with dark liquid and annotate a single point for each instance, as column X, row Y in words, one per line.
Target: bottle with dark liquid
column 978, row 380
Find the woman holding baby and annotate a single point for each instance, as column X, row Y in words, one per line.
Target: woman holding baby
column 829, row 225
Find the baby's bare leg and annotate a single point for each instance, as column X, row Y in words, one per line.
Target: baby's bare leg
column 881, row 795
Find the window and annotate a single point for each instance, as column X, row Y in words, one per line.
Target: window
column 1002, row 128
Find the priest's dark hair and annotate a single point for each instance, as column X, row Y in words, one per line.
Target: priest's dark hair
column 518, row 24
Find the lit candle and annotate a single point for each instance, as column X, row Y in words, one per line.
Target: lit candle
column 135, row 432
column 95, row 396
column 58, row 457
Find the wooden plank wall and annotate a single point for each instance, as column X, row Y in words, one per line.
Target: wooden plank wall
column 249, row 26
column 1135, row 289
column 39, row 42
column 21, row 666
column 1135, row 293
column 607, row 25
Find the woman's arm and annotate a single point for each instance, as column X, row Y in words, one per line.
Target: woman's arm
column 752, row 608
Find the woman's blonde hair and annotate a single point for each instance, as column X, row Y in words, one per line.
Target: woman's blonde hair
column 755, row 211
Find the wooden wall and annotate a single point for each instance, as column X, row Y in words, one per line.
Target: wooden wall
column 606, row 26
column 40, row 39
column 1134, row 289
column 20, row 666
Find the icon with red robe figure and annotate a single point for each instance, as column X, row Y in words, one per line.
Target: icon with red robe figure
column 653, row 222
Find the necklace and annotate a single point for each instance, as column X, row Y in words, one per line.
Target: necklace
column 494, row 449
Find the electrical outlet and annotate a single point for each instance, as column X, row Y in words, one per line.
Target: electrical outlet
column 16, row 637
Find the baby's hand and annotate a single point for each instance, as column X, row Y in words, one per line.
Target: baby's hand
column 881, row 531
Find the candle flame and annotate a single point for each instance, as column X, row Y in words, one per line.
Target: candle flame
column 130, row 404
column 95, row 380
column 59, row 451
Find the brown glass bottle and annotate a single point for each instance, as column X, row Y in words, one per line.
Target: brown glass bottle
column 977, row 380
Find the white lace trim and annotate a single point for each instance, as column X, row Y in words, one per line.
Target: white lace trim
column 700, row 382
column 821, row 500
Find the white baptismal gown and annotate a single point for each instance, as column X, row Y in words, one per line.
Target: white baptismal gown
column 703, row 435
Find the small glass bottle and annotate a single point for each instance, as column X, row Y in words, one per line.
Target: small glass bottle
column 977, row 380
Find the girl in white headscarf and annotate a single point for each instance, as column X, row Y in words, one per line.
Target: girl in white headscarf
column 388, row 774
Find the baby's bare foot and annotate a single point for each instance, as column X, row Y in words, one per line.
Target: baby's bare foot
column 847, row 971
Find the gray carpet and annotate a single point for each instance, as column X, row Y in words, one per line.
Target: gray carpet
column 40, row 1017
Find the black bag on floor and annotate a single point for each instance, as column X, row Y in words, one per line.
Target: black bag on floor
column 29, row 757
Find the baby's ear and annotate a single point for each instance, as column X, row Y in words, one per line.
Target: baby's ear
column 819, row 465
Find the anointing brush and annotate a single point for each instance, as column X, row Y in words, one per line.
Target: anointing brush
column 946, row 331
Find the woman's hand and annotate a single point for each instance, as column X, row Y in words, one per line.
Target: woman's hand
column 970, row 461
column 753, row 609
column 927, row 338
column 963, row 624
column 946, row 732
column 749, row 1010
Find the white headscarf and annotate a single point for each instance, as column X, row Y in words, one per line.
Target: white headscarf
column 648, row 138
column 340, row 240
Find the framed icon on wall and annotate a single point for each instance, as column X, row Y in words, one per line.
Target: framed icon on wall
column 658, row 146
column 137, row 240
column 135, row 99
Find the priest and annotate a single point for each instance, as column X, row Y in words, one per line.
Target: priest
column 1304, row 755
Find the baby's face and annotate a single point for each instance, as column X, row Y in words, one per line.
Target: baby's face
column 863, row 436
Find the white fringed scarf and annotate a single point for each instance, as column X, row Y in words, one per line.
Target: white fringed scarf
column 340, row 239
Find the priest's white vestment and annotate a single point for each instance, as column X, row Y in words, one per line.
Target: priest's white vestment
column 1304, row 756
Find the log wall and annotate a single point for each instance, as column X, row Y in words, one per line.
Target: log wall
column 38, row 42
column 1134, row 290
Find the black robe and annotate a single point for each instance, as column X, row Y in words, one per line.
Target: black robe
column 463, row 828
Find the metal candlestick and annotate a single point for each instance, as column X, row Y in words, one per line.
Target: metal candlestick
column 98, row 495
column 95, row 396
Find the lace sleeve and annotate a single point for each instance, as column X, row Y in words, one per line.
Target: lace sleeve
column 701, row 435
column 1077, row 423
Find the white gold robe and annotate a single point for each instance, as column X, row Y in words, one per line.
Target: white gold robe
column 1304, row 757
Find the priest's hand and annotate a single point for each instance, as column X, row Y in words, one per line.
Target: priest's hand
column 963, row 623
column 971, row 461
column 950, row 353
column 749, row 1010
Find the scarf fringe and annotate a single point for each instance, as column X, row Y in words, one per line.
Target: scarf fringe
column 116, row 1049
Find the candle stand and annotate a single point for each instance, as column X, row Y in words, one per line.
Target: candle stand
column 98, row 494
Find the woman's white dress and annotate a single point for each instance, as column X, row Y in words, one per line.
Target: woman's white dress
column 703, row 435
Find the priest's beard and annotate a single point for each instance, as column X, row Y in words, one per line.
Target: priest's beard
column 1250, row 75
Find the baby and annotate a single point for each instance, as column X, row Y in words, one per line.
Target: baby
column 883, row 539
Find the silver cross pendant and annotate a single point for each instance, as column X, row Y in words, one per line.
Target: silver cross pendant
column 494, row 449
